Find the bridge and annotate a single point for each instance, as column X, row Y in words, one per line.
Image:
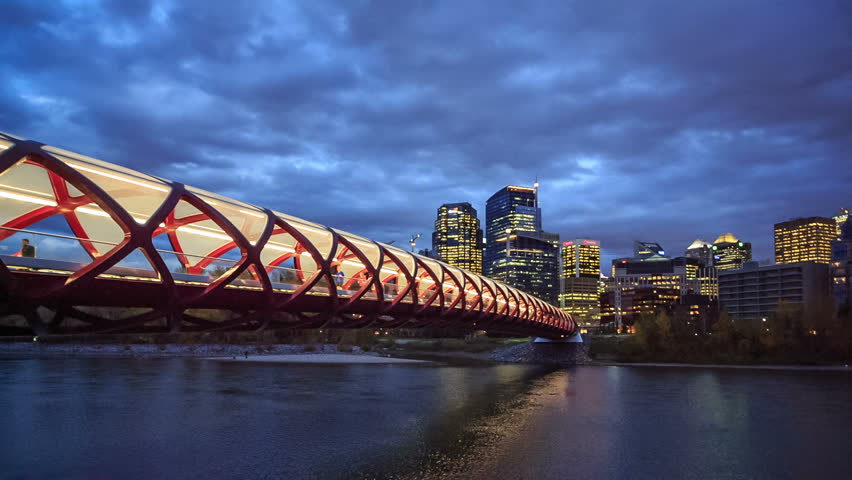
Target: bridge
column 111, row 249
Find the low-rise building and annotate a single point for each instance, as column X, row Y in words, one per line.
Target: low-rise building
column 755, row 292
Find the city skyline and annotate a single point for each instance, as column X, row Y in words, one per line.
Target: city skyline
column 656, row 124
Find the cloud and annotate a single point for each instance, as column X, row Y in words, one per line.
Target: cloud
column 668, row 122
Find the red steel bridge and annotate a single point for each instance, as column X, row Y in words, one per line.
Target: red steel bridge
column 115, row 250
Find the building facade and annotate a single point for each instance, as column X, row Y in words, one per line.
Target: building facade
column 580, row 276
column 841, row 263
column 514, row 209
column 624, row 308
column 840, row 219
column 457, row 238
column 645, row 250
column 698, row 313
column 805, row 240
column 730, row 253
column 755, row 292
column 529, row 264
column 517, row 250
column 701, row 251
column 682, row 275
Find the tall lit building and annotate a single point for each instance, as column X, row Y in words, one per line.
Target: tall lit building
column 513, row 209
column 841, row 263
column 701, row 251
column 457, row 238
column 729, row 252
column 804, row 240
column 581, row 272
column 840, row 219
column 517, row 251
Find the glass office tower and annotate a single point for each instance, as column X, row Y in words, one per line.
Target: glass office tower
column 729, row 253
column 805, row 239
column 581, row 271
column 457, row 238
column 517, row 251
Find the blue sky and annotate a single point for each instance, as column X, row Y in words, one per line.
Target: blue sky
column 664, row 121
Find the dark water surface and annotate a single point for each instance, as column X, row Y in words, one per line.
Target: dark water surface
column 190, row 418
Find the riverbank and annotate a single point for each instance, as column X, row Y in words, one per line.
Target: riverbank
column 176, row 350
column 325, row 358
column 331, row 353
column 803, row 368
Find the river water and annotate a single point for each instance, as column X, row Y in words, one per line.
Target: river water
column 123, row 418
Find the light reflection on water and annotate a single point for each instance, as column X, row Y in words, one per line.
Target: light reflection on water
column 187, row 418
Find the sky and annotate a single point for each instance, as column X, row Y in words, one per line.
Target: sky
column 660, row 121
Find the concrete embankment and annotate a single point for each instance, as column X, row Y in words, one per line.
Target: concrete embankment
column 563, row 354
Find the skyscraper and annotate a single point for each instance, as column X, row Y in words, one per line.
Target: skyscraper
column 707, row 277
column 517, row 251
column 514, row 209
column 729, row 253
column 702, row 251
column 805, row 239
column 457, row 238
column 841, row 263
column 581, row 272
column 840, row 219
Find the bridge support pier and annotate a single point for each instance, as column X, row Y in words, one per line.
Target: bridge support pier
column 173, row 321
column 576, row 338
column 30, row 312
column 562, row 352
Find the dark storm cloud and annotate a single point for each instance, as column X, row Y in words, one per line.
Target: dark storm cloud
column 665, row 121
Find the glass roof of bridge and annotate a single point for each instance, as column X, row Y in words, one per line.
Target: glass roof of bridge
column 201, row 225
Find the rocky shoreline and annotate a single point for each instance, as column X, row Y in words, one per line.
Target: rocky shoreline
column 561, row 354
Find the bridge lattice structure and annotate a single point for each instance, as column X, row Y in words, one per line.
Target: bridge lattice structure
column 173, row 257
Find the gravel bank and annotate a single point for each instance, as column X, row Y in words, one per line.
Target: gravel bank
column 318, row 358
column 563, row 354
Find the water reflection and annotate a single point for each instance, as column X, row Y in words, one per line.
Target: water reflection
column 186, row 418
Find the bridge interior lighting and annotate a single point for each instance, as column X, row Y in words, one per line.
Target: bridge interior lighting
column 299, row 226
column 356, row 242
column 93, row 211
column 116, row 177
column 280, row 248
column 253, row 214
column 204, row 233
column 27, row 198
column 354, row 264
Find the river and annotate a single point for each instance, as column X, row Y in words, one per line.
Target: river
column 110, row 418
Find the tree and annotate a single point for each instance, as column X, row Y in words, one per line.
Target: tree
column 665, row 334
column 725, row 332
column 646, row 331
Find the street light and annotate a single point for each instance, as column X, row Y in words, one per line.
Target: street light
column 413, row 241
